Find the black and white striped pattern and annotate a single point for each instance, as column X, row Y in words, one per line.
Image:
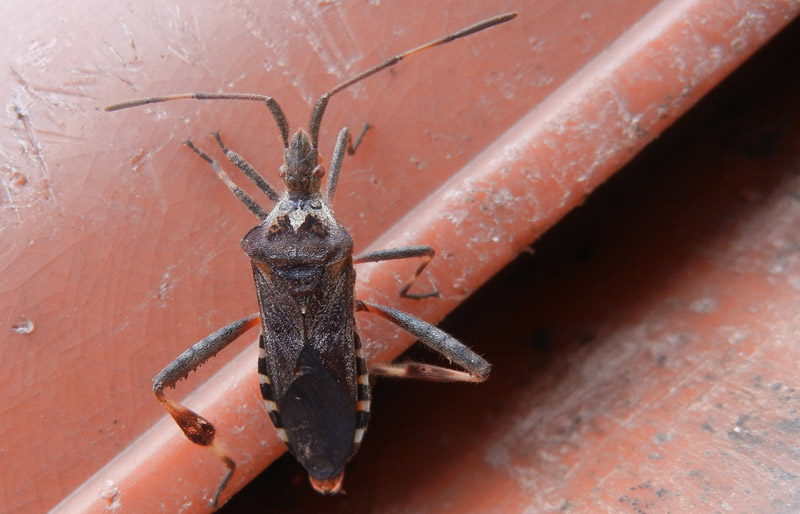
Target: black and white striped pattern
column 266, row 393
column 363, row 393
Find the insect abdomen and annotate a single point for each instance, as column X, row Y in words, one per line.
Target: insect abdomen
column 315, row 418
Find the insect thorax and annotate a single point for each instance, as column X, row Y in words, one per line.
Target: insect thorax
column 299, row 242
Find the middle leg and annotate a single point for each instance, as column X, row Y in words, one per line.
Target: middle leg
column 403, row 252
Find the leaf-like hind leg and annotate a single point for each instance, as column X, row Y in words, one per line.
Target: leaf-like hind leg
column 194, row 426
column 477, row 369
column 403, row 252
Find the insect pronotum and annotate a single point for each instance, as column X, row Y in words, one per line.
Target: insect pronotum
column 311, row 367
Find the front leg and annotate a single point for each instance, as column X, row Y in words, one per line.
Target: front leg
column 194, row 426
column 245, row 167
column 243, row 197
column 344, row 143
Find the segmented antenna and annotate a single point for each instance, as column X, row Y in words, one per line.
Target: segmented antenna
column 322, row 103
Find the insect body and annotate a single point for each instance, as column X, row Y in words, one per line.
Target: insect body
column 311, row 367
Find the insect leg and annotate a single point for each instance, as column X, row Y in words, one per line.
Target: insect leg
column 343, row 143
column 477, row 369
column 404, row 252
column 195, row 427
column 248, row 170
column 243, row 197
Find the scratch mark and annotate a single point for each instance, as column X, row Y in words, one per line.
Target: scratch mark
column 131, row 42
column 17, row 180
column 36, row 149
column 35, row 91
column 136, row 159
column 179, row 55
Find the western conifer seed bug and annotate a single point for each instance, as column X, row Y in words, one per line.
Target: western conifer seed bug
column 311, row 368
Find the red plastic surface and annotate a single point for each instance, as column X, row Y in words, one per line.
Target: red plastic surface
column 120, row 248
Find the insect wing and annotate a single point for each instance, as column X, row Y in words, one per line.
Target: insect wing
column 310, row 364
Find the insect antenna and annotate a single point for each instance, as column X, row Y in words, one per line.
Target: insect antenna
column 322, row 103
column 272, row 105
